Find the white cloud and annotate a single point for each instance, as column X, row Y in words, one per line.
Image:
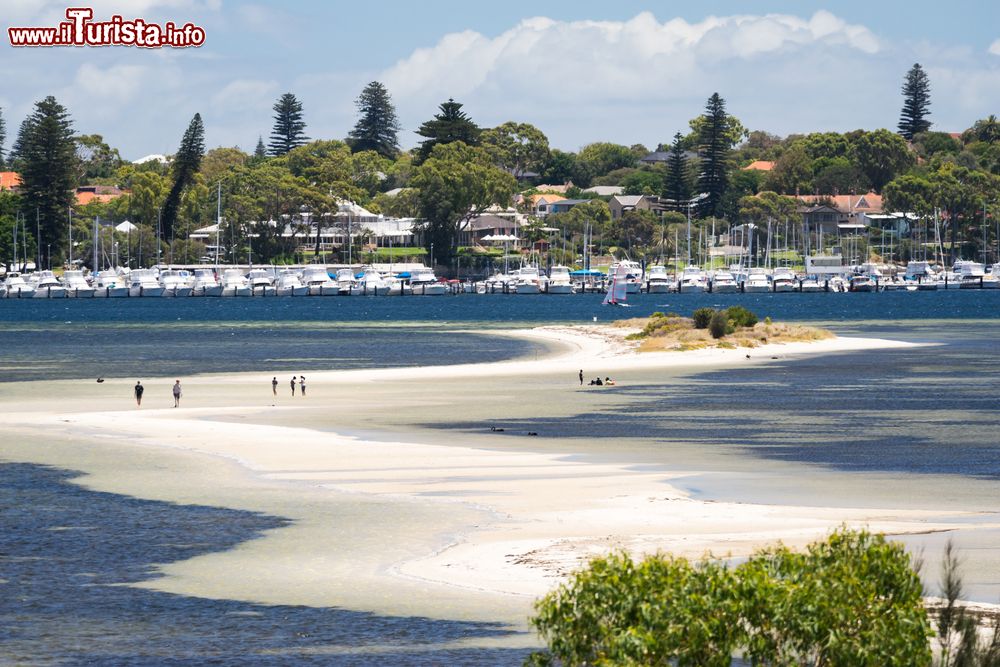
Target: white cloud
column 244, row 93
column 995, row 48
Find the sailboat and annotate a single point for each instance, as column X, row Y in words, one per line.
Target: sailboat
column 618, row 290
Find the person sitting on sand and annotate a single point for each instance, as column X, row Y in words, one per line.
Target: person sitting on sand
column 598, row 382
column 609, row 381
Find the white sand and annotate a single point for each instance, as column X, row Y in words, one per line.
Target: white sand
column 442, row 530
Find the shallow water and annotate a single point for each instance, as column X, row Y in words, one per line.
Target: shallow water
column 66, row 551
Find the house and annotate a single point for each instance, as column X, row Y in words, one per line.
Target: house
column 852, row 210
column 541, row 203
column 820, row 219
column 102, row 193
column 759, row 165
column 606, row 190
column 557, row 189
column 620, row 204
column 564, row 205
column 480, row 229
column 10, row 180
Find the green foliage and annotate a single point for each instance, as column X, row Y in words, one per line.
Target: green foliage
column 183, row 170
column 601, row 158
column 642, row 182
column 289, row 128
column 561, row 167
column 378, row 127
column 716, row 138
column 741, row 317
column 451, row 124
column 720, row 324
column 916, row 100
column 677, row 185
column 881, row 155
column 702, row 317
column 456, row 182
column 97, row 159
column 851, row 600
column 517, row 147
column 48, row 163
column 792, row 174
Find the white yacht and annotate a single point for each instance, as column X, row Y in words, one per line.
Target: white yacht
column 783, row 280
column 634, row 275
column 290, row 285
column 76, row 285
column 371, row 283
column 657, row 280
column 16, row 287
column 810, row 285
column 47, row 286
column 692, row 280
column 723, row 282
column 109, row 284
column 234, row 283
column 143, row 282
column 970, row 274
column 528, row 281
column 175, row 282
column 863, row 283
column 317, row 279
column 756, row 281
column 345, row 281
column 425, row 283
column 206, row 283
column 559, row 280
column 261, row 282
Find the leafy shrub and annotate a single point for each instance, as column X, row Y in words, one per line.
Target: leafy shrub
column 720, row 324
column 741, row 317
column 702, row 317
column 852, row 599
column 657, row 314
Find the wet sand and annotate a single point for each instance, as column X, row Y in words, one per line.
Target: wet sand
column 394, row 516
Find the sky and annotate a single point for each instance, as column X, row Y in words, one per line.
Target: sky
column 582, row 71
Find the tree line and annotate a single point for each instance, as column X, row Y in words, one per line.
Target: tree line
column 460, row 169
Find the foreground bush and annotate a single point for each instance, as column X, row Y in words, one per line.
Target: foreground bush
column 853, row 600
column 702, row 317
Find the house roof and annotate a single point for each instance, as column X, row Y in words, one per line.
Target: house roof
column 657, row 156
column 548, row 198
column 606, row 190
column 485, row 222
column 88, row 193
column 759, row 165
column 866, row 203
column 554, row 188
column 570, row 202
column 9, row 180
column 627, row 200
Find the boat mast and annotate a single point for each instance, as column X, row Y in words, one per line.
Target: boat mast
column 97, row 238
column 71, row 236
column 218, row 222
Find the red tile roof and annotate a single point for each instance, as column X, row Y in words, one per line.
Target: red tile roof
column 866, row 203
column 9, row 180
column 759, row 165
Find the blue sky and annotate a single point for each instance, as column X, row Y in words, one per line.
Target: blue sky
column 630, row 72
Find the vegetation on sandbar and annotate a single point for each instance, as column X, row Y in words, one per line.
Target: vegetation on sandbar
column 728, row 328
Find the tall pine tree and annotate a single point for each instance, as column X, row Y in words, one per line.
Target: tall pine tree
column 183, row 169
column 48, row 163
column 714, row 146
column 261, row 151
column 451, row 124
column 677, row 186
column 3, row 140
column 378, row 128
column 288, row 131
column 916, row 100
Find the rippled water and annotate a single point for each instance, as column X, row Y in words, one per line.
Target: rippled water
column 65, row 551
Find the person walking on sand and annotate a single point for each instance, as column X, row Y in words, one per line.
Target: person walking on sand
column 581, row 377
column 138, row 393
column 274, row 386
column 302, row 385
column 177, row 393
column 292, row 384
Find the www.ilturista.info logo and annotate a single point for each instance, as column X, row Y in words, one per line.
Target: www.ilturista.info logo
column 79, row 30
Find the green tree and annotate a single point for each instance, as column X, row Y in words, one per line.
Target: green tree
column 600, row 158
column 449, row 125
column 289, row 128
column 14, row 156
column 517, row 147
column 716, row 139
column 916, row 100
column 560, row 168
column 642, row 182
column 48, row 163
column 185, row 166
column 96, row 158
column 220, row 161
column 818, row 145
column 3, row 139
column 881, row 155
column 792, row 173
column 677, row 185
column 378, row 127
column 327, row 166
column 457, row 182
column 986, row 130
column 834, row 176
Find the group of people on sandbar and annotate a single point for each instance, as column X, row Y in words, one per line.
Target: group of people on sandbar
column 301, row 380
column 139, row 390
column 597, row 382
